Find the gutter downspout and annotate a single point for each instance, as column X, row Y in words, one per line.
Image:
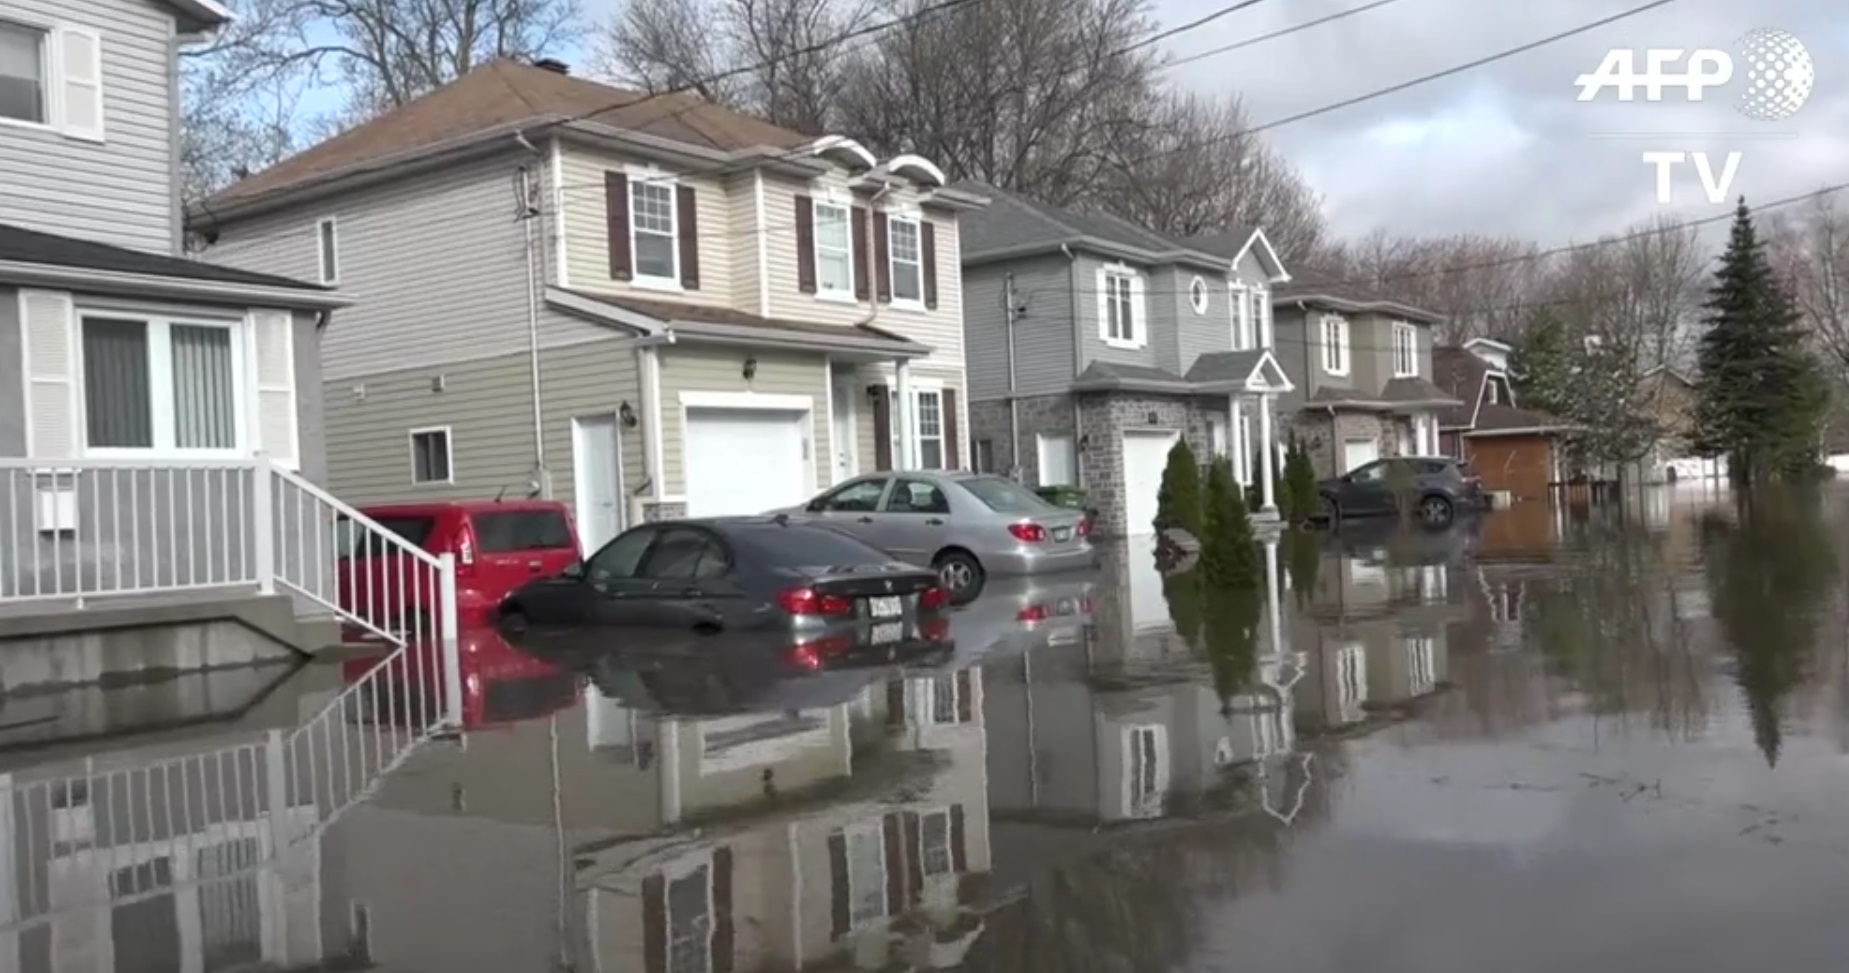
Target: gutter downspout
column 1078, row 358
column 1014, row 404
column 529, row 215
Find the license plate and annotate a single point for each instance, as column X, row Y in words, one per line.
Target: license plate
column 888, row 632
column 1062, row 533
column 885, row 607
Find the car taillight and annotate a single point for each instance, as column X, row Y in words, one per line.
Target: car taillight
column 808, row 601
column 1028, row 531
column 934, row 629
column 1084, row 527
column 465, row 550
column 814, row 654
column 933, row 598
column 1033, row 613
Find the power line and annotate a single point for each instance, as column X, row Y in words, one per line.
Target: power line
column 1283, row 32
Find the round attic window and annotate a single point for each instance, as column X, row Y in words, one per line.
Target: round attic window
column 1197, row 295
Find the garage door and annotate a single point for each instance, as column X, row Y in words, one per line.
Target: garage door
column 1145, row 455
column 1519, row 465
column 1357, row 453
column 744, row 461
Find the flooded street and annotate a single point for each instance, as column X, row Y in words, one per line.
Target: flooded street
column 1546, row 740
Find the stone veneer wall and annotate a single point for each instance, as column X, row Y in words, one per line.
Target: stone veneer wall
column 1044, row 415
column 1325, row 435
column 1103, row 417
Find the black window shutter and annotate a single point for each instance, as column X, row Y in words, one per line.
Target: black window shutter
column 616, row 223
column 687, row 213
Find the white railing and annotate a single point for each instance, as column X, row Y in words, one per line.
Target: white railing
column 212, row 825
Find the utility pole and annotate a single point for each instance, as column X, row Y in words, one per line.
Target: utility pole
column 529, row 217
column 1009, row 307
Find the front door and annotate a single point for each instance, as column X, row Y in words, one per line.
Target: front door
column 846, row 436
column 597, row 488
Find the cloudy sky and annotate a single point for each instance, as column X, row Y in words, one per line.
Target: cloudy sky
column 1507, row 147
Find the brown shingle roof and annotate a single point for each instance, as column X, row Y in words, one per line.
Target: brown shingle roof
column 1496, row 417
column 507, row 94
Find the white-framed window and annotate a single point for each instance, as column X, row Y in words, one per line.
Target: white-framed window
column 652, row 223
column 935, row 856
column 1405, row 350
column 25, row 73
column 1245, row 331
column 327, row 247
column 1351, row 683
column 834, row 250
column 905, row 252
column 1335, row 344
column 1261, row 311
column 1145, row 769
column 928, row 407
column 1216, row 433
column 1120, row 310
column 430, row 456
column 1492, row 391
column 158, row 384
column 943, row 694
column 1421, row 665
column 1197, row 295
column 866, row 874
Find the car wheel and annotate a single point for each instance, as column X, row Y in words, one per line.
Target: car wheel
column 1436, row 511
column 512, row 621
column 960, row 574
column 1328, row 509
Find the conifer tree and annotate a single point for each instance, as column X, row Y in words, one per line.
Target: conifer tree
column 1178, row 499
column 1229, row 551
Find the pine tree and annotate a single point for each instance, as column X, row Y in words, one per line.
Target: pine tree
column 1300, row 483
column 1761, row 399
column 1229, row 551
column 1178, row 499
column 1542, row 366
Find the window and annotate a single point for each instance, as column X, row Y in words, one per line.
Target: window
column 1421, row 666
column 1117, row 313
column 860, row 496
column 930, row 412
column 1351, row 684
column 866, row 875
column 153, row 383
column 917, row 497
column 1335, row 345
column 1376, row 470
column 430, row 456
column 621, row 557
column 327, row 237
column 795, row 546
column 907, row 251
column 1261, row 315
column 834, row 250
column 1005, row 496
column 683, row 554
column 1197, row 295
column 500, row 532
column 985, row 455
column 1144, row 770
column 690, row 922
column 1405, row 350
column 943, row 693
column 651, row 224
column 1245, row 336
column 23, row 75
column 934, row 853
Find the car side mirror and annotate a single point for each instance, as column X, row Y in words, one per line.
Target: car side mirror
column 573, row 571
column 815, row 506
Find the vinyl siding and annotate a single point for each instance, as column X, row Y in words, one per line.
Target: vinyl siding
column 12, row 376
column 1090, row 307
column 1043, row 334
column 436, row 263
column 747, row 260
column 867, row 443
column 121, row 191
column 1166, row 300
column 587, row 243
column 487, row 404
column 686, row 368
column 1200, row 333
column 1296, row 355
column 940, row 328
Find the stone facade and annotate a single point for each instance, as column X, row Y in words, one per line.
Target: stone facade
column 1103, row 417
column 1324, row 435
column 1040, row 415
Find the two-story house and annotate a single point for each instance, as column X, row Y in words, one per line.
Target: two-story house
column 1514, row 450
column 649, row 306
column 143, row 395
column 1360, row 370
column 1094, row 345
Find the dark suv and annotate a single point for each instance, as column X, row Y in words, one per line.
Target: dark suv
column 1438, row 488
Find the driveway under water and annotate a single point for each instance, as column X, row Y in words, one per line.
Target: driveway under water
column 1603, row 740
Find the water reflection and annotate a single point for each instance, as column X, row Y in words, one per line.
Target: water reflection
column 1611, row 717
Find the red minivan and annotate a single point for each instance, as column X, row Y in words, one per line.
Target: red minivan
column 499, row 546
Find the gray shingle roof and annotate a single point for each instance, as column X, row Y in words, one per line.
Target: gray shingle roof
column 1014, row 222
column 1225, row 366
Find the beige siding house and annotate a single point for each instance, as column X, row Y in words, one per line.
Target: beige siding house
column 646, row 306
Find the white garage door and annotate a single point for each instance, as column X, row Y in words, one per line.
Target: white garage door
column 1359, row 452
column 1145, row 455
column 744, row 461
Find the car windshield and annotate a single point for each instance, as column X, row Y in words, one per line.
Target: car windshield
column 796, row 546
column 1004, row 496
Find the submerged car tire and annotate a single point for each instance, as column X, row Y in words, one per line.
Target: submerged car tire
column 960, row 574
column 1328, row 509
column 1437, row 511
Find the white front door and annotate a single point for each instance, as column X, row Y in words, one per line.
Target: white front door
column 745, row 461
column 597, row 488
column 846, row 435
column 1145, row 454
column 1357, row 453
column 1054, row 454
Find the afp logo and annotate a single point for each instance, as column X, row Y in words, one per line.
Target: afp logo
column 1779, row 74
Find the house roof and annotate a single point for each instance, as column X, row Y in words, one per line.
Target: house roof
column 1240, row 369
column 208, row 13
column 24, row 251
column 1014, row 226
column 1103, row 376
column 503, row 97
column 1235, row 242
column 1336, row 294
column 1494, row 418
column 1461, row 373
column 1213, row 373
column 1400, row 393
column 652, row 316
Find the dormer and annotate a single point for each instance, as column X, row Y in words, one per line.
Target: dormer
column 1491, row 351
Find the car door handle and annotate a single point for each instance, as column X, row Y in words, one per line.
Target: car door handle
column 935, row 521
column 692, row 593
column 866, row 520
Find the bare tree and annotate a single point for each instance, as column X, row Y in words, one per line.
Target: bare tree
column 1484, row 286
column 1193, row 168
column 1810, row 251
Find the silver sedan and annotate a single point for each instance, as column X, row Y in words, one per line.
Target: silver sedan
column 968, row 526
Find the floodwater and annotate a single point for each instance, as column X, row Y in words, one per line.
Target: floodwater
column 1605, row 741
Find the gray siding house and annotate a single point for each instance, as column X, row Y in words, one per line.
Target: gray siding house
column 1360, row 372
column 644, row 306
column 142, row 394
column 1094, row 344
